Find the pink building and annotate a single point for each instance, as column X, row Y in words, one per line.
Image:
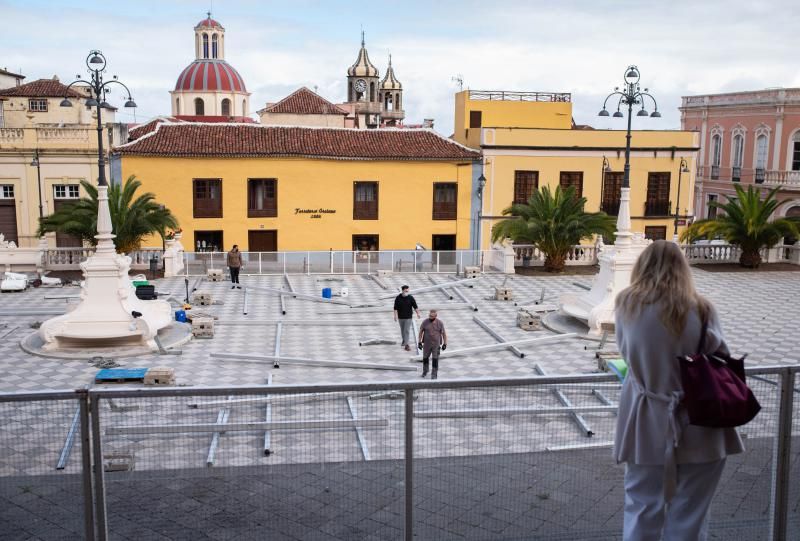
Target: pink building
column 746, row 137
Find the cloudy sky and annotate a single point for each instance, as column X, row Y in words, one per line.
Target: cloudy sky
column 579, row 46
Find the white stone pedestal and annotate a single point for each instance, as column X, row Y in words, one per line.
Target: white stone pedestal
column 616, row 264
column 104, row 316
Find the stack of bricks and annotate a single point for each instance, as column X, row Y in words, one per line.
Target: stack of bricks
column 202, row 299
column 203, row 327
column 528, row 321
column 503, row 293
column 472, row 272
column 214, row 275
column 160, row 375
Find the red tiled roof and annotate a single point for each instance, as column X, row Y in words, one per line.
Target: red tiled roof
column 208, row 21
column 206, row 74
column 41, row 88
column 304, row 102
column 253, row 140
column 149, row 126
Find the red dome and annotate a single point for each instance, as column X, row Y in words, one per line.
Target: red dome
column 204, row 75
column 208, row 22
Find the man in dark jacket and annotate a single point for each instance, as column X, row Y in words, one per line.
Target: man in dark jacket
column 432, row 340
column 235, row 265
column 404, row 307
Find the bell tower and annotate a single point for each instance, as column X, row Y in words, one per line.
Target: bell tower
column 363, row 90
column 391, row 97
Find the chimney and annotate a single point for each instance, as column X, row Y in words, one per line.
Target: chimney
column 427, row 123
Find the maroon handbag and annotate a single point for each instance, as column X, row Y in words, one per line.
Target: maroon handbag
column 714, row 388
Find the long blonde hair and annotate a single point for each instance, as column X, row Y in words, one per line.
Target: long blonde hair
column 662, row 275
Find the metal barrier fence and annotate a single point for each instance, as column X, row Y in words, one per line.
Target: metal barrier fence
column 476, row 459
column 348, row 262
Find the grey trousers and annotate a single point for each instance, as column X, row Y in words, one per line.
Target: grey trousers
column 648, row 516
column 406, row 331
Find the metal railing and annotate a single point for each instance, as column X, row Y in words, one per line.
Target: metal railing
column 349, row 261
column 503, row 95
column 473, row 458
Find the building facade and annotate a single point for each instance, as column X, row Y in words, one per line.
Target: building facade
column 209, row 88
column 45, row 152
column 303, row 108
column 270, row 188
column 528, row 140
column 746, row 138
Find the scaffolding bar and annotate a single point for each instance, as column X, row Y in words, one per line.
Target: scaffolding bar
column 497, row 336
column 502, row 412
column 362, row 442
column 491, row 347
column 309, row 362
column 222, row 418
column 268, row 419
column 425, row 289
column 63, row 458
column 562, row 398
column 321, row 424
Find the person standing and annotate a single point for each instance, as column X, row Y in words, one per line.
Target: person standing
column 235, row 265
column 432, row 340
column 672, row 468
column 404, row 308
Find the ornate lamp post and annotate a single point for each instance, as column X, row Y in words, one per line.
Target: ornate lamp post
column 683, row 168
column 479, row 191
column 109, row 314
column 631, row 94
column 38, row 165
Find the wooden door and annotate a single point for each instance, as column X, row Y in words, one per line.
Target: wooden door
column 65, row 240
column 261, row 240
column 8, row 220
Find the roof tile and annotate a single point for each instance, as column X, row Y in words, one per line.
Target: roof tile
column 190, row 139
column 41, row 88
column 304, row 102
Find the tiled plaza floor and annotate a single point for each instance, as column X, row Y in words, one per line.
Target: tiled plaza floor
column 173, row 494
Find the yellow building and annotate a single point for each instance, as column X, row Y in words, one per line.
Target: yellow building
column 528, row 140
column 34, row 129
column 274, row 188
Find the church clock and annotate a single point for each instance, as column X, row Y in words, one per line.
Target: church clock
column 361, row 85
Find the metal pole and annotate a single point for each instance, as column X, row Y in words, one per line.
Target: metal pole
column 268, row 419
column 39, row 183
column 362, row 442
column 781, row 463
column 69, row 441
column 497, row 336
column 562, row 398
column 259, row 263
column 626, row 178
column 244, row 308
column 99, row 481
column 86, row 471
column 409, row 463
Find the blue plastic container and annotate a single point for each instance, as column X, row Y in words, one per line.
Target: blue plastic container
column 180, row 315
column 327, row 293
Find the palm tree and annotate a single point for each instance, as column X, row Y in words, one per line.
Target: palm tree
column 132, row 217
column 745, row 223
column 554, row 222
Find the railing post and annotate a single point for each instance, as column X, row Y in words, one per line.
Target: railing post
column 409, row 463
column 308, row 263
column 781, row 461
column 391, row 262
column 259, row 262
column 437, row 261
column 99, row 481
column 86, row 473
column 284, row 262
column 415, row 261
column 369, row 262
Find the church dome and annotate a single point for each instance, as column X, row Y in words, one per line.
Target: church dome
column 362, row 67
column 390, row 81
column 210, row 75
column 208, row 22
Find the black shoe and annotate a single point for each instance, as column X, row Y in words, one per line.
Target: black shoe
column 238, row 287
column 424, row 374
column 433, row 375
column 233, row 287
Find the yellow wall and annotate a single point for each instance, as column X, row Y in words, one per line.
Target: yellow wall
column 551, row 151
column 507, row 112
column 405, row 195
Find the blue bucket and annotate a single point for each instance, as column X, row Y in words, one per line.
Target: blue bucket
column 180, row 316
column 327, row 293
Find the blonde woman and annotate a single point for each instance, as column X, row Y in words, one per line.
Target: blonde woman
column 672, row 468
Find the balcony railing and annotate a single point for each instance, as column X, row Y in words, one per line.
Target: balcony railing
column 445, row 211
column 783, row 178
column 657, row 208
column 493, row 458
column 365, row 210
column 502, row 95
column 714, row 172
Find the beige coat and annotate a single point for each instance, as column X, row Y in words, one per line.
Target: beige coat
column 652, row 426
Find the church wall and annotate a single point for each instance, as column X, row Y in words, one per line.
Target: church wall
column 291, row 119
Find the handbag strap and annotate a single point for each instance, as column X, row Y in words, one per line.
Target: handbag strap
column 703, row 331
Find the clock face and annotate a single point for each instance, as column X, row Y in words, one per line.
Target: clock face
column 361, row 85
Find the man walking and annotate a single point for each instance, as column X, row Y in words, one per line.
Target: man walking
column 432, row 339
column 235, row 265
column 404, row 307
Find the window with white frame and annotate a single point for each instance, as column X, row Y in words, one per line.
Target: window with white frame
column 6, row 191
column 737, row 153
column 795, row 146
column 66, row 191
column 716, row 149
column 761, row 157
column 37, row 105
column 2, row 125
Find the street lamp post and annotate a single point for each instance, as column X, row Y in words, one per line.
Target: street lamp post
column 684, row 168
column 606, row 169
column 98, row 88
column 38, row 165
column 481, row 186
column 631, row 94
